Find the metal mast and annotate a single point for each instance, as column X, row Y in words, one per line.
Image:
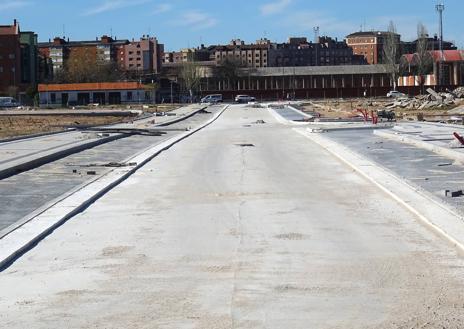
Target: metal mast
column 440, row 9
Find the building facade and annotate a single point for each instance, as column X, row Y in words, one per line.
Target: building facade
column 58, row 52
column 200, row 54
column 10, row 57
column 29, row 58
column 325, row 52
column 252, row 55
column 143, row 56
column 453, row 69
column 57, row 95
column 410, row 47
column 370, row 45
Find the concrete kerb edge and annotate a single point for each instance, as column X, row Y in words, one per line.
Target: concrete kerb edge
column 20, row 138
column 421, row 144
column 176, row 120
column 6, row 261
column 39, row 161
column 284, row 121
column 457, row 241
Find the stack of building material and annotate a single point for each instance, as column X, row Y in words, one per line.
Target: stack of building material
column 432, row 99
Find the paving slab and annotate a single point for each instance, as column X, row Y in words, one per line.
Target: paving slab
column 24, row 154
column 21, row 236
column 217, row 234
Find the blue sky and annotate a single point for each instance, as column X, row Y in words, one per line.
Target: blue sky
column 188, row 23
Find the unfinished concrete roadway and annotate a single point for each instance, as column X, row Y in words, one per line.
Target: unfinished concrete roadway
column 239, row 226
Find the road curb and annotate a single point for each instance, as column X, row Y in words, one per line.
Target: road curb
column 64, row 151
column 448, row 153
column 25, row 237
column 54, row 155
column 434, row 214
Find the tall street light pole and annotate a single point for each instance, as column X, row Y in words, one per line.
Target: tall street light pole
column 440, row 9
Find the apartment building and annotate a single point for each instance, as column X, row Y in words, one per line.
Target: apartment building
column 10, row 56
column 105, row 50
column 18, row 59
column 324, row 52
column 251, row 55
column 370, row 44
column 410, row 47
column 200, row 54
column 143, row 56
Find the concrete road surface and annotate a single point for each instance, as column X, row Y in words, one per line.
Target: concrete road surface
column 242, row 225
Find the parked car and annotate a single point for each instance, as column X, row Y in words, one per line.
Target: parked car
column 395, row 94
column 9, row 102
column 244, row 99
column 215, row 98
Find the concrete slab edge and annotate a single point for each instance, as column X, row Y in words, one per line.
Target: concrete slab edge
column 448, row 153
column 434, row 214
column 179, row 119
column 27, row 236
column 33, row 136
column 47, row 157
column 284, row 121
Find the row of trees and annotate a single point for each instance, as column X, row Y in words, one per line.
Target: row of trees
column 397, row 65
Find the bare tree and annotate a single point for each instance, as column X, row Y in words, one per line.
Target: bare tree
column 391, row 53
column 422, row 61
column 81, row 68
column 190, row 74
column 229, row 70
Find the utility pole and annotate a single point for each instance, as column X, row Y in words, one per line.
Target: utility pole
column 316, row 34
column 441, row 69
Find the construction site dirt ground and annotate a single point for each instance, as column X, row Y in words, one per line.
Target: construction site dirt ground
column 12, row 126
column 347, row 108
column 21, row 125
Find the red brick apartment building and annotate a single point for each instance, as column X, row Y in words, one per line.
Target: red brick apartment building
column 10, row 56
column 369, row 44
column 144, row 56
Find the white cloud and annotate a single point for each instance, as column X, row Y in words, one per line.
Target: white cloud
column 274, row 7
column 13, row 4
column 109, row 5
column 162, row 8
column 196, row 20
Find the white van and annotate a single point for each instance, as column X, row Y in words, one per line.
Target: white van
column 215, row 98
column 8, row 102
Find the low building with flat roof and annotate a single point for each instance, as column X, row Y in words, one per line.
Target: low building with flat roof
column 107, row 93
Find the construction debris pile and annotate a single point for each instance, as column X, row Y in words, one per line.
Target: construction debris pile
column 431, row 100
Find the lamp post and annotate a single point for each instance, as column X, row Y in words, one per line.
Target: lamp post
column 440, row 9
column 171, row 83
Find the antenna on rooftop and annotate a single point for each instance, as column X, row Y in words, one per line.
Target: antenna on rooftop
column 64, row 31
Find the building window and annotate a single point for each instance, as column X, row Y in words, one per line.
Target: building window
column 11, row 56
column 131, row 59
column 53, row 97
column 129, row 95
column 1, row 69
column 138, row 52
